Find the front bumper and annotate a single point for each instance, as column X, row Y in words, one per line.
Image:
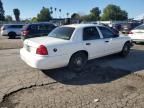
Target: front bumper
column 43, row 62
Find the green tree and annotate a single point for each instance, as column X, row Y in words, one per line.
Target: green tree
column 113, row 12
column 34, row 19
column 2, row 12
column 75, row 16
column 95, row 14
column 8, row 18
column 44, row 15
column 85, row 18
column 16, row 14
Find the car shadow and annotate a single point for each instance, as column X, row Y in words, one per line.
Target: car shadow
column 14, row 38
column 93, row 72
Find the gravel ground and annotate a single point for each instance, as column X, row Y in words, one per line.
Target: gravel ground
column 6, row 43
column 105, row 82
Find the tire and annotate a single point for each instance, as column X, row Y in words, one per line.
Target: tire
column 12, row 35
column 78, row 61
column 126, row 49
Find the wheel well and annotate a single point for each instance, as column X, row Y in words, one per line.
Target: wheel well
column 81, row 51
column 127, row 42
column 11, row 33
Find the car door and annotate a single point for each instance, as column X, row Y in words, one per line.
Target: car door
column 15, row 28
column 112, row 41
column 47, row 29
column 93, row 42
column 19, row 29
column 41, row 29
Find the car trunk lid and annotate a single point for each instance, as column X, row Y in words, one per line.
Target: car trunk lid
column 32, row 44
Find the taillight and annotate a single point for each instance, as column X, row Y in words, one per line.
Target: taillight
column 130, row 32
column 42, row 50
column 25, row 32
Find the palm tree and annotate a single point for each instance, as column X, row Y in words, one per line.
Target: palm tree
column 17, row 14
column 67, row 15
column 60, row 12
column 55, row 12
column 51, row 10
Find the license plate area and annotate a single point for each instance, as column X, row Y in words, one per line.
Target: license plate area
column 27, row 48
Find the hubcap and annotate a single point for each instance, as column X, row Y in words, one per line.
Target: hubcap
column 126, row 50
column 78, row 61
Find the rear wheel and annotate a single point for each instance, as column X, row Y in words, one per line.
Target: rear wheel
column 78, row 61
column 126, row 49
column 12, row 35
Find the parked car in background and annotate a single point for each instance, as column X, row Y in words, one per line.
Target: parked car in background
column 114, row 30
column 125, row 28
column 36, row 30
column 117, row 27
column 11, row 30
column 137, row 34
column 73, row 45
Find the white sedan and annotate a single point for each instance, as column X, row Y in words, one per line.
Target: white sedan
column 137, row 34
column 73, row 45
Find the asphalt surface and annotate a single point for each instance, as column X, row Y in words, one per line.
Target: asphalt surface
column 108, row 82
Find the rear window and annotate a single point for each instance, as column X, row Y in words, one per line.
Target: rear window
column 62, row 33
column 25, row 27
column 141, row 27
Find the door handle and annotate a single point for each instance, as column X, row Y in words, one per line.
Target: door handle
column 88, row 43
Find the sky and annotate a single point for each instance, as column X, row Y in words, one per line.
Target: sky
column 30, row 8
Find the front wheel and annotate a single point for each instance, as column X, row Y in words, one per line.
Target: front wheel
column 125, row 51
column 78, row 61
column 12, row 35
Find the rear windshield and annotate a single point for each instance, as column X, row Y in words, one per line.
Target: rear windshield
column 62, row 33
column 141, row 27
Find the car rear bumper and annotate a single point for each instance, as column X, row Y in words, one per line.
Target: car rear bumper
column 4, row 33
column 43, row 62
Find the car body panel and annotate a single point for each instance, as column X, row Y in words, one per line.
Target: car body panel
column 37, row 30
column 60, row 51
column 7, row 28
column 137, row 35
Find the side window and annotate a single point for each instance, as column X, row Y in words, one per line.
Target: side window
column 46, row 27
column 43, row 27
column 34, row 27
column 16, row 26
column 90, row 33
column 20, row 26
column 106, row 32
column 12, row 26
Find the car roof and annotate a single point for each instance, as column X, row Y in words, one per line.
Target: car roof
column 81, row 25
column 40, row 23
column 12, row 24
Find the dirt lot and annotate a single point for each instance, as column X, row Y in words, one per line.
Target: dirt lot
column 109, row 82
column 6, row 43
